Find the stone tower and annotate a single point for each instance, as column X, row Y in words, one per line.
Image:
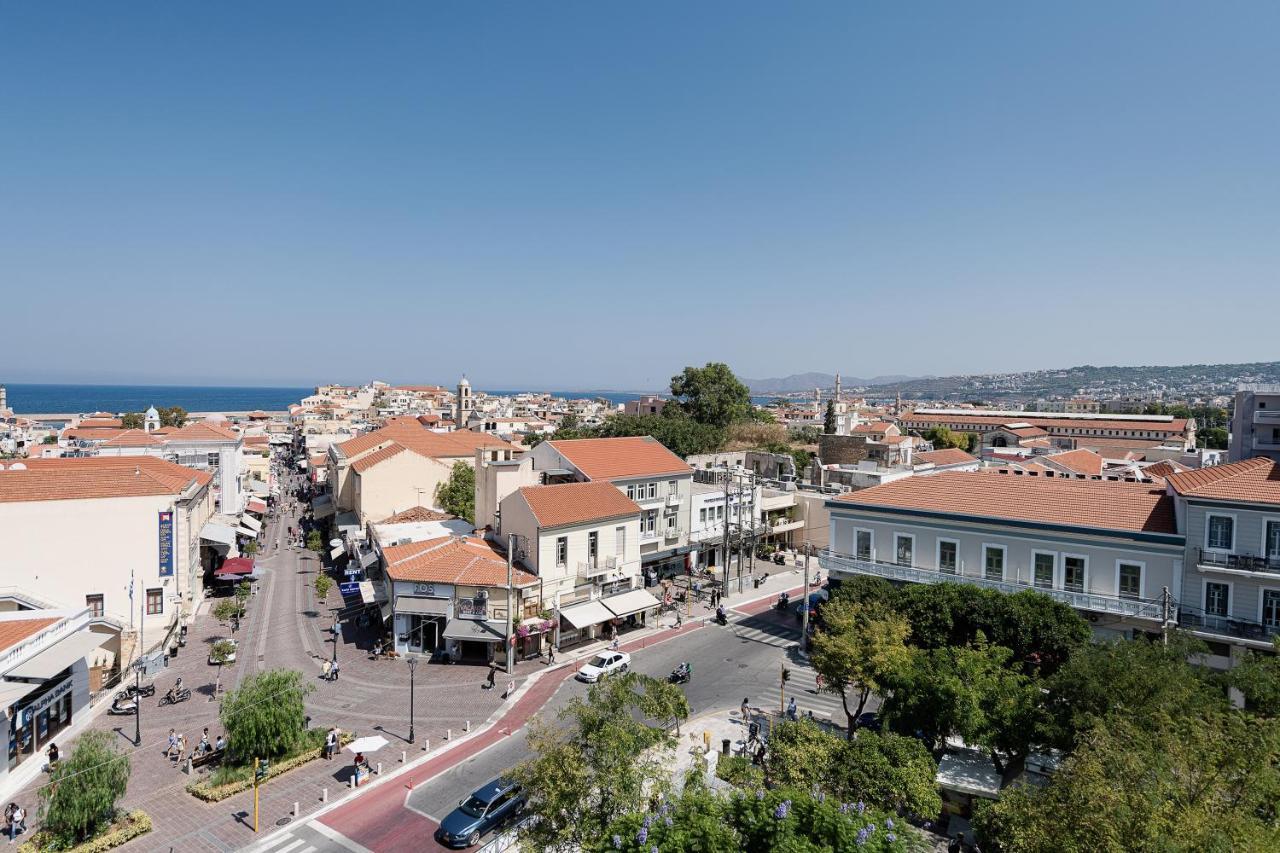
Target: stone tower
column 837, row 388
column 151, row 420
column 463, row 405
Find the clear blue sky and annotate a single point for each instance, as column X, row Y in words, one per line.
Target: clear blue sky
column 596, row 194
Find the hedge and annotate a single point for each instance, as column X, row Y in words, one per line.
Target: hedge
column 124, row 830
column 210, row 794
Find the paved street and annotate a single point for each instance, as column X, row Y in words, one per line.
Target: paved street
column 742, row 659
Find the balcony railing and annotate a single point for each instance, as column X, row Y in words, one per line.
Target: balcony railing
column 1226, row 627
column 673, row 499
column 1239, row 562
column 672, row 532
column 1139, row 608
column 598, row 566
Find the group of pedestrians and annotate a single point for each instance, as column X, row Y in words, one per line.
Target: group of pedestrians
column 15, row 820
column 176, row 746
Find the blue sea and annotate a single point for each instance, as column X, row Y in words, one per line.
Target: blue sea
column 83, row 399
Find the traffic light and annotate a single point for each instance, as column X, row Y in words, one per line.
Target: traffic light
column 786, row 675
column 260, row 772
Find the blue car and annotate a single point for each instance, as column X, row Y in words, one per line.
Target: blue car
column 489, row 807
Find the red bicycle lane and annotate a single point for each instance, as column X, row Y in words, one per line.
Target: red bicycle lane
column 380, row 820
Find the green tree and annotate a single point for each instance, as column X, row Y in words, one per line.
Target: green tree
column 458, row 495
column 802, row 458
column 972, row 692
column 265, row 717
column 942, row 438
column 710, row 395
column 49, row 439
column 221, row 651
column 1213, row 438
column 173, row 416
column 663, row 702
column 858, row 648
column 132, row 420
column 323, row 585
column 315, row 542
column 800, row 755
column 243, row 590
column 1258, row 678
column 887, row 770
column 603, row 758
column 681, row 435
column 80, row 798
column 829, row 419
column 250, row 548
column 1136, row 679
column 693, row 821
column 1176, row 782
column 807, row 434
column 225, row 609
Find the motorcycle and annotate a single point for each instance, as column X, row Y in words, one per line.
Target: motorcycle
column 681, row 674
column 132, row 690
column 780, row 558
column 784, row 600
column 173, row 697
column 721, row 617
column 123, row 707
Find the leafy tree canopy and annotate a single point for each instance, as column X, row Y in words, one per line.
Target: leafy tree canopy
column 710, row 395
column 829, row 418
column 860, row 648
column 83, row 790
column 458, row 494
column 265, row 716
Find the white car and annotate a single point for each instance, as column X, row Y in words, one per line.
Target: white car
column 231, row 656
column 605, row 663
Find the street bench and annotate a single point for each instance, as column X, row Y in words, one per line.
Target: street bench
column 213, row 756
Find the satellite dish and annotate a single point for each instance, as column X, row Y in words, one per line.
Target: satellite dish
column 335, row 543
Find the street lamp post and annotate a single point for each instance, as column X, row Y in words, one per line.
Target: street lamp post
column 334, row 632
column 413, row 665
column 137, row 702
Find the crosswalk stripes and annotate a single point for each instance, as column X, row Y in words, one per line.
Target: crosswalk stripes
column 312, row 836
column 803, row 686
column 764, row 632
column 285, row 842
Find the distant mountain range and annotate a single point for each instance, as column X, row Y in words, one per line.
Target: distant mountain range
column 809, row 381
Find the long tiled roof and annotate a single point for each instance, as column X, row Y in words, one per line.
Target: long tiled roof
column 1253, row 481
column 412, row 435
column 620, row 458
column 133, row 438
column 577, row 503
column 1100, row 504
column 14, row 631
column 202, row 431
column 364, row 463
column 1177, row 425
column 1077, row 461
column 95, row 477
column 946, row 456
column 467, row 560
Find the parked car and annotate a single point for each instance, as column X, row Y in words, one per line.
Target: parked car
column 488, row 807
column 605, row 663
column 230, row 657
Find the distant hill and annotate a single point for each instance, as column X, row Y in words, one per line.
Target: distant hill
column 808, row 381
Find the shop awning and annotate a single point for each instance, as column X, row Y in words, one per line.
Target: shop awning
column 215, row 532
column 337, row 551
column 250, row 522
column 322, row 506
column 368, row 558
column 12, row 691
column 367, row 595
column 236, row 566
column 475, row 630
column 422, row 606
column 257, row 505
column 58, row 657
column 347, row 522
column 587, row 614
column 385, row 610
column 246, row 532
column 630, row 602
column 259, row 488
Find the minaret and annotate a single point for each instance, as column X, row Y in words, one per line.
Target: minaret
column 897, row 408
column 463, row 405
column 817, row 401
column 837, row 388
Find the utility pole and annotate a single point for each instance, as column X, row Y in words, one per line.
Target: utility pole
column 1166, row 614
column 413, row 664
column 511, row 610
column 804, row 619
column 137, row 669
column 724, row 571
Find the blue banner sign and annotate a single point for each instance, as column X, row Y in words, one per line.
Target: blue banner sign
column 166, row 544
column 352, row 588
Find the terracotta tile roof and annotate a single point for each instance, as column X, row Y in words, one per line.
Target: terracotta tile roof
column 877, row 427
column 202, row 431
column 620, row 458
column 1164, row 468
column 421, row 389
column 96, row 477
column 1093, row 442
column 1177, row 425
column 1024, row 431
column 577, row 503
column 947, row 456
column 377, row 457
column 1252, row 481
column 97, row 423
column 412, row 435
column 1078, row 461
column 1099, row 504
column 256, row 440
column 467, row 560
column 417, row 514
column 91, row 434
column 133, row 438
column 14, row 631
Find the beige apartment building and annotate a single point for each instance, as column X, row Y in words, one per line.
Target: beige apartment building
column 75, row 533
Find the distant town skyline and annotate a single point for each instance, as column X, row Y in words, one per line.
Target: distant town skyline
column 594, row 196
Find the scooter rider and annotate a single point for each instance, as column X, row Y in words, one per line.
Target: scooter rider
column 721, row 616
column 175, row 690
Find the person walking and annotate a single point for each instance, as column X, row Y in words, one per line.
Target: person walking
column 182, row 747
column 511, row 688
column 791, row 709
column 172, row 745
column 204, row 745
column 746, row 709
column 10, row 824
column 551, row 656
column 493, row 677
column 324, row 669
column 330, row 741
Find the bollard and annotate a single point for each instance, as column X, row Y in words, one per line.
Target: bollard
column 379, row 768
column 404, row 756
column 296, row 810
column 426, row 745
column 467, row 727
column 324, row 795
column 352, row 782
column 190, row 767
column 448, row 733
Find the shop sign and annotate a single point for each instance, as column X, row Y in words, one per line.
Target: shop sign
column 424, row 589
column 166, row 543
column 27, row 714
column 472, row 608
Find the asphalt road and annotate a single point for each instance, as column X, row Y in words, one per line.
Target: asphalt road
column 729, row 663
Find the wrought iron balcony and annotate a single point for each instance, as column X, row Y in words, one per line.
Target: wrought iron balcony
column 1203, row 623
column 597, row 566
column 1139, row 608
column 1239, row 562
